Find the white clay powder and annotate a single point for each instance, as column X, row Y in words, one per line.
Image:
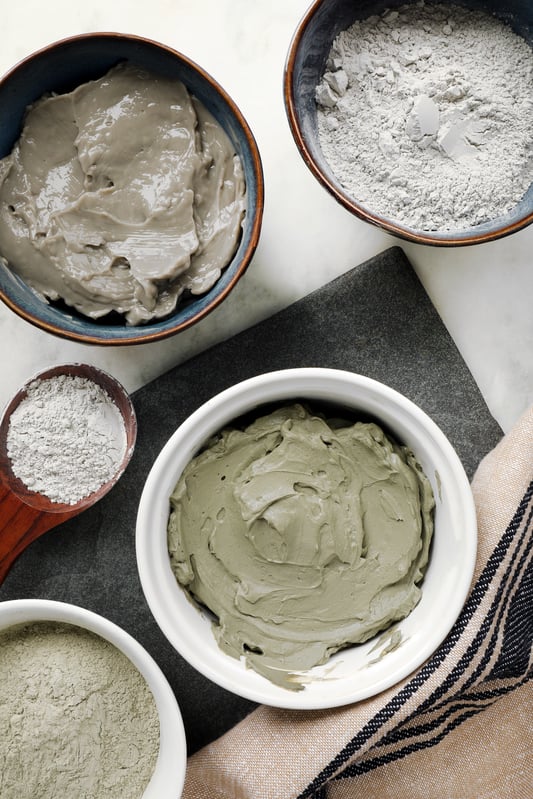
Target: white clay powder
column 66, row 438
column 424, row 115
column 77, row 719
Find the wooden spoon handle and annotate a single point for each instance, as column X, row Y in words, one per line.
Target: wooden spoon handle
column 20, row 524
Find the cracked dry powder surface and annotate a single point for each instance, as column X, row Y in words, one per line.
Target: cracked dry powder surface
column 77, row 719
column 424, row 115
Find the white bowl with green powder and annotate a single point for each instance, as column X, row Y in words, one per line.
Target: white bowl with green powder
column 84, row 709
column 307, row 538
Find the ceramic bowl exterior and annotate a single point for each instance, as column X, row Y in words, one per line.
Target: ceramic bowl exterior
column 169, row 775
column 357, row 672
column 304, row 68
column 62, row 66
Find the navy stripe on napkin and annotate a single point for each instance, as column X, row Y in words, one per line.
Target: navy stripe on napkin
column 497, row 619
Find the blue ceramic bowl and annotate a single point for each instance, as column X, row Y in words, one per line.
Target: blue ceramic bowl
column 304, row 68
column 61, row 67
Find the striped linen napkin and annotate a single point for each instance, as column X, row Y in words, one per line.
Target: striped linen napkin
column 458, row 728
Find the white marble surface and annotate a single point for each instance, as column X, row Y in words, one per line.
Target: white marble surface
column 483, row 293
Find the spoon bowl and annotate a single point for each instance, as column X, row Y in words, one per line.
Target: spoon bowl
column 25, row 514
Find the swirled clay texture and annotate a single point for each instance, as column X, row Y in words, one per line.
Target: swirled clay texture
column 302, row 536
column 120, row 196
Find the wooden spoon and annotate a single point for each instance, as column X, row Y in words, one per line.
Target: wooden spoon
column 25, row 514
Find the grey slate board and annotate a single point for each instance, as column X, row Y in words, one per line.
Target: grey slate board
column 376, row 320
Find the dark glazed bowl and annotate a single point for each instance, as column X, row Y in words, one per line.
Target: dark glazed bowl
column 62, row 66
column 304, row 68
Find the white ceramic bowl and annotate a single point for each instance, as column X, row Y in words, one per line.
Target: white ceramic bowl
column 357, row 672
column 169, row 774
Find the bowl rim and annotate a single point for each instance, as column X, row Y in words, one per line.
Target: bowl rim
column 168, row 777
column 93, row 338
column 162, row 591
column 430, row 238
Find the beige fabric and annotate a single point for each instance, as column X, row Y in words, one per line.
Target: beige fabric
column 275, row 754
column 488, row 757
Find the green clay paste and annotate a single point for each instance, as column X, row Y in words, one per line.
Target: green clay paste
column 302, row 536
